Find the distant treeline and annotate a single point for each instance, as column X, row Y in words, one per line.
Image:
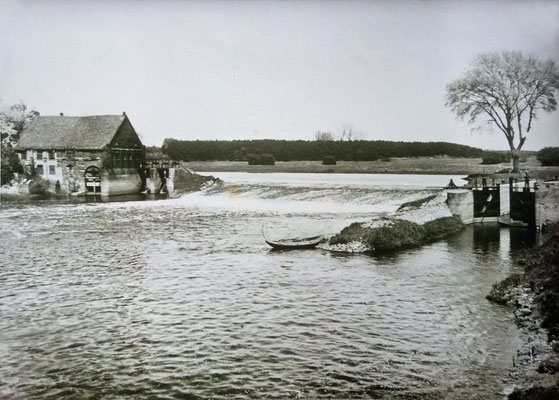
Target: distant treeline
column 302, row 150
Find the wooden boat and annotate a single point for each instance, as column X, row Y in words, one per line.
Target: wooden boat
column 295, row 243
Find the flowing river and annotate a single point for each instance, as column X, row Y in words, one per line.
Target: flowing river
column 182, row 298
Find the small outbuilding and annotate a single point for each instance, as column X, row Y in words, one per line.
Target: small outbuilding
column 99, row 154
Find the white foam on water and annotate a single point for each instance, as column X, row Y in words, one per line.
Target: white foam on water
column 285, row 193
column 249, row 202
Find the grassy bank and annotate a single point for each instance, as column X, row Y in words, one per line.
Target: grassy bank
column 435, row 165
column 186, row 181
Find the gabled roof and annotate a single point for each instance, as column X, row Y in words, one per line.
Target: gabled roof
column 65, row 133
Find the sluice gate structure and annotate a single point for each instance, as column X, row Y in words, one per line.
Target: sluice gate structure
column 513, row 204
column 158, row 176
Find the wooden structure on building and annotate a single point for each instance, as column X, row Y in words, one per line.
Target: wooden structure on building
column 99, row 154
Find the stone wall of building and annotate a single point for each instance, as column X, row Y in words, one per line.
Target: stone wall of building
column 547, row 203
column 66, row 170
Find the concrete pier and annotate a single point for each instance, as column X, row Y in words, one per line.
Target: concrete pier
column 461, row 204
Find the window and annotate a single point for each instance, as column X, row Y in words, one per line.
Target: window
column 24, row 155
column 39, row 155
column 52, row 170
column 52, row 155
column 40, row 170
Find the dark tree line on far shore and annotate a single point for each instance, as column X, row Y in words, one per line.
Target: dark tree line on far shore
column 303, row 150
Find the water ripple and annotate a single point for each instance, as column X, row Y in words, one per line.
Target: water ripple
column 172, row 302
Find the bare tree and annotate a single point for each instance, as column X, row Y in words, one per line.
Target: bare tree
column 505, row 89
column 323, row 136
column 347, row 132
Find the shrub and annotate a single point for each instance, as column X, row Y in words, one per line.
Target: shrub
column 548, row 156
column 442, row 227
column 495, row 157
column 399, row 234
column 393, row 234
column 328, row 160
column 500, row 292
column 39, row 186
column 154, row 153
column 355, row 231
column 261, row 159
column 10, row 164
column 535, row 393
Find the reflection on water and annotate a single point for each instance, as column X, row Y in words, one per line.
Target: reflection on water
column 178, row 299
column 490, row 238
column 49, row 201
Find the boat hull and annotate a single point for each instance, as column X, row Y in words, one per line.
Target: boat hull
column 295, row 244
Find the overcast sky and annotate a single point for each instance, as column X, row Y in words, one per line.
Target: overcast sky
column 267, row 69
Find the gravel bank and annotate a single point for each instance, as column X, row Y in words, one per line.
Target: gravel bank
column 535, row 298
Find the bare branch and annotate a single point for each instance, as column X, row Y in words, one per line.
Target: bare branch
column 510, row 89
column 347, row 132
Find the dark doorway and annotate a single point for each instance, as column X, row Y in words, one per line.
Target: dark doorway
column 92, row 176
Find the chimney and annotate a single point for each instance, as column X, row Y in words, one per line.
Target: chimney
column 61, row 114
column 124, row 113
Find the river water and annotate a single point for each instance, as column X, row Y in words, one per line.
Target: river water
column 181, row 298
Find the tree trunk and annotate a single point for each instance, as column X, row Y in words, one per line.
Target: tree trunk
column 515, row 154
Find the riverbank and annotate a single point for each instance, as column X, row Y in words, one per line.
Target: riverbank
column 534, row 295
column 419, row 165
column 187, row 181
column 22, row 191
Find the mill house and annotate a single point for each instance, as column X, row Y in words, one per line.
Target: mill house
column 99, row 154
